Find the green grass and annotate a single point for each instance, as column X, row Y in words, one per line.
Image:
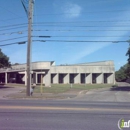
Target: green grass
column 61, row 88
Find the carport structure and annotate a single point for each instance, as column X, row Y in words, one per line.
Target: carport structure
column 86, row 73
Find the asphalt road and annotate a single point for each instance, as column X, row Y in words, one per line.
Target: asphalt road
column 61, row 115
column 97, row 109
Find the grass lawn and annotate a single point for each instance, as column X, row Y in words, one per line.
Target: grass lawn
column 61, row 88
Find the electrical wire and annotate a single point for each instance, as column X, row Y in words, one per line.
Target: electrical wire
column 58, row 26
column 13, row 25
column 52, row 23
column 13, row 39
column 10, row 33
column 9, row 11
column 80, row 26
column 76, row 36
column 13, row 28
column 23, row 42
column 81, row 41
column 90, row 21
column 76, row 30
column 56, row 36
column 22, row 17
column 92, row 12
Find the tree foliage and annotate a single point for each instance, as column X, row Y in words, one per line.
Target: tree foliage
column 124, row 72
column 15, row 64
column 4, row 60
column 128, row 54
column 121, row 74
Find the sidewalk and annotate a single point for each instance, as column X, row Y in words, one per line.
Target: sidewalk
column 5, row 91
column 42, row 96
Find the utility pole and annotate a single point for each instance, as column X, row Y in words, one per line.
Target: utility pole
column 30, row 20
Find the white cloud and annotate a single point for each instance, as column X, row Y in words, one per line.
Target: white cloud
column 89, row 49
column 72, row 10
column 93, row 47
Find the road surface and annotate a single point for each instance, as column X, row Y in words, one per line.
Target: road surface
column 97, row 109
column 61, row 115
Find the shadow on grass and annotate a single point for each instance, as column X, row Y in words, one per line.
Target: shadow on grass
column 121, row 88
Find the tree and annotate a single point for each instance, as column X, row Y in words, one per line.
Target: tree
column 4, row 60
column 15, row 64
column 128, row 54
column 121, row 74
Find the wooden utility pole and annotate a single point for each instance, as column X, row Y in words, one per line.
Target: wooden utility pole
column 30, row 20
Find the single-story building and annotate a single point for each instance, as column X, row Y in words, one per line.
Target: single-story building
column 85, row 73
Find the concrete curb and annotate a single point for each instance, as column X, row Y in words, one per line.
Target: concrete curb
column 82, row 92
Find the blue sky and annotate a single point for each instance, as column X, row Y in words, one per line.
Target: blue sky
column 67, row 20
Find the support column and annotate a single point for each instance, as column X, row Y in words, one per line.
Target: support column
column 43, row 78
column 102, row 78
column 66, row 79
column 99, row 78
column 90, row 78
column 110, row 78
column 34, row 78
column 25, row 78
column 77, row 78
column 47, row 79
column 56, row 79
column 6, row 78
column 114, row 82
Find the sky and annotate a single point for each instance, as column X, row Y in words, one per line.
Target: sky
column 79, row 31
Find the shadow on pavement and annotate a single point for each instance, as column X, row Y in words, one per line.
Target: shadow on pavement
column 121, row 88
column 4, row 87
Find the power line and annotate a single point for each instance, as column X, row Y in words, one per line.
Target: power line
column 13, row 28
column 49, row 22
column 24, row 6
column 10, row 28
column 21, row 26
column 10, row 33
column 13, row 25
column 56, row 36
column 52, row 23
column 92, row 12
column 80, row 26
column 81, row 41
column 23, row 42
column 13, row 39
column 9, row 11
column 119, row 21
column 77, row 36
column 76, row 30
column 13, row 19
